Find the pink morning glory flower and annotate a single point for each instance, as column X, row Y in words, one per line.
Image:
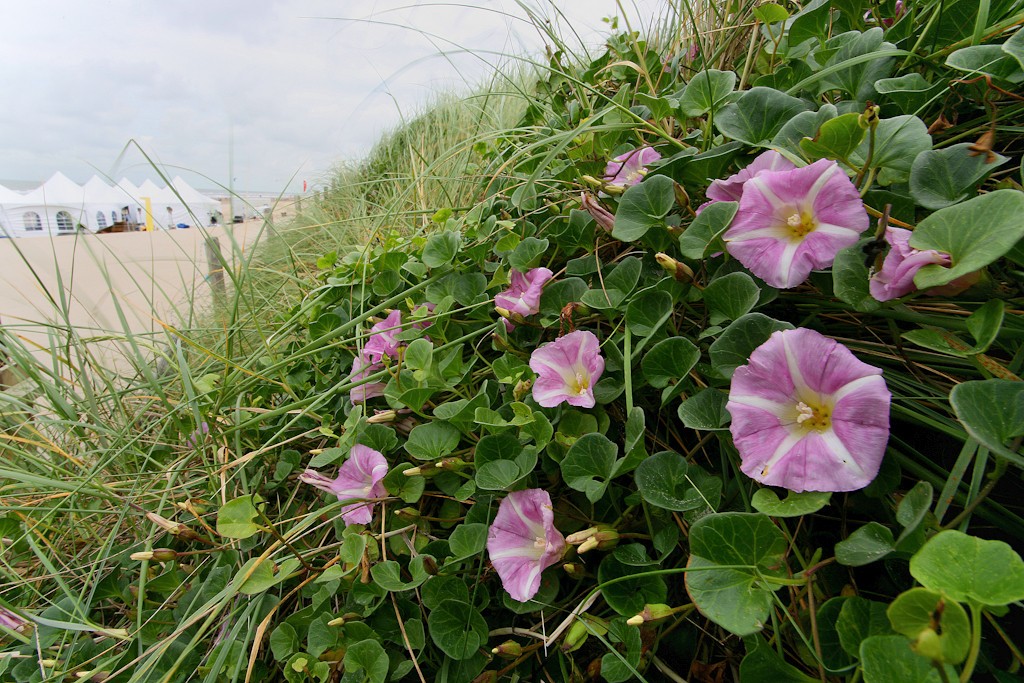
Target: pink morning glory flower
column 807, row 415
column 792, row 222
column 604, row 217
column 383, row 339
column 358, row 477
column 14, row 622
column 361, row 369
column 731, row 189
column 567, row 369
column 523, row 541
column 630, row 168
column 896, row 278
column 523, row 294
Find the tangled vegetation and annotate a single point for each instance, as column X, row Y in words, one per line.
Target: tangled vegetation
column 706, row 368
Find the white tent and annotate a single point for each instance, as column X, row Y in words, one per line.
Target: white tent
column 9, row 216
column 201, row 209
column 55, row 207
column 103, row 204
column 61, row 206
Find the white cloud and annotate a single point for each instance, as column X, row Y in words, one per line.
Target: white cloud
column 297, row 85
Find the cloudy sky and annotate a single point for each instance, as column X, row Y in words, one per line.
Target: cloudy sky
column 291, row 86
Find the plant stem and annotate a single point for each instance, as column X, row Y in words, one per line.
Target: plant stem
column 972, row 657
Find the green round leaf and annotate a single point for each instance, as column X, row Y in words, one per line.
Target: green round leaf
column 669, row 360
column 628, row 597
column 236, row 518
column 836, row 138
column 972, row 243
column 758, row 115
column 642, row 207
column 943, row 177
column 889, row 659
column 734, row 598
column 457, row 628
column 662, row 481
column 432, row 440
column 368, row 656
column 796, row 504
column 992, row 411
column 969, row 569
column 702, row 236
column 938, row 626
column 590, row 464
column 706, row 91
column 705, row 410
column 865, row 545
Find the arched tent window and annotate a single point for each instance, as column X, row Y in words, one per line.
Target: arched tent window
column 101, row 220
column 32, row 221
column 64, row 222
column 113, row 216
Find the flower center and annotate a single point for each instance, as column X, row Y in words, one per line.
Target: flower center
column 540, row 543
column 818, row 418
column 580, row 384
column 636, row 176
column 800, row 223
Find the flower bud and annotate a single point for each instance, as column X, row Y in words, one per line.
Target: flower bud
column 929, row 644
column 651, row 613
column 511, row 316
column 411, row 514
column 157, row 554
column 603, row 216
column 451, row 464
column 574, row 570
column 14, row 622
column 510, row 649
column 580, row 630
column 430, row 565
column 682, row 197
column 521, row 389
column 869, row 119
column 575, row 637
column 600, row 537
column 592, row 181
column 680, row 271
column 382, row 416
column 427, row 470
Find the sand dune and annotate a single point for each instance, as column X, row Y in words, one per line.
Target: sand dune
column 149, row 276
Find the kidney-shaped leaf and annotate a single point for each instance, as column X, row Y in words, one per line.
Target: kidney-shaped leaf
column 974, row 233
column 992, row 411
column 730, row 553
column 758, row 115
column 970, row 569
column 938, row 626
column 943, row 177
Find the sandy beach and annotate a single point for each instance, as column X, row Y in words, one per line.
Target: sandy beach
column 150, row 277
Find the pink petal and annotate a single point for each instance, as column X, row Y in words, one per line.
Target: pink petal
column 524, row 292
column 358, row 477
column 523, row 541
column 628, row 168
column 561, row 365
column 760, row 238
column 791, row 371
column 896, row 278
column 731, row 189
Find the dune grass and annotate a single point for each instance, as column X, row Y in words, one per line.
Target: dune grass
column 114, row 485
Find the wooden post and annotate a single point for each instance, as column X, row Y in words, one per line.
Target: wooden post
column 215, row 264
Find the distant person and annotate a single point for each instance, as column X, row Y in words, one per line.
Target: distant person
column 213, row 220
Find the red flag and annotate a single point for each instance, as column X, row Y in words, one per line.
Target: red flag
column 303, row 185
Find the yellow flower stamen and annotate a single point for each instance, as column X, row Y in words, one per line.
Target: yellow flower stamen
column 800, row 223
